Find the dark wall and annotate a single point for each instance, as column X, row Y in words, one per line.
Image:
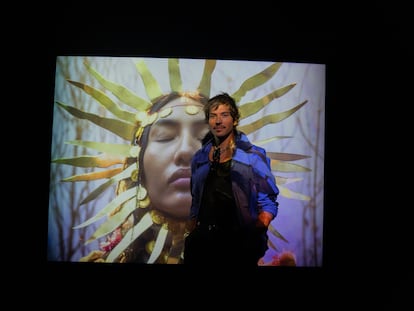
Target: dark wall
column 358, row 47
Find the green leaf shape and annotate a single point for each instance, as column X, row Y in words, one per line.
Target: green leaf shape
column 272, row 245
column 97, row 191
column 100, row 189
column 268, row 140
column 286, row 180
column 286, row 156
column 106, row 102
column 256, row 80
column 282, row 166
column 93, row 175
column 251, row 108
column 151, row 85
column 205, row 82
column 130, row 236
column 176, row 83
column 122, row 93
column 101, row 160
column 276, row 233
column 115, row 149
column 287, row 193
column 118, row 200
column 114, row 221
column 159, row 244
column 118, row 127
column 273, row 118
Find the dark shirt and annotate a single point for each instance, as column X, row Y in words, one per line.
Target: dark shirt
column 218, row 206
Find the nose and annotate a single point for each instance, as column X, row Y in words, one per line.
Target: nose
column 186, row 148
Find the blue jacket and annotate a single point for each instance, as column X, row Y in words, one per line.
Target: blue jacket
column 254, row 186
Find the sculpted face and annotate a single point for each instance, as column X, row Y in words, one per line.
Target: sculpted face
column 172, row 142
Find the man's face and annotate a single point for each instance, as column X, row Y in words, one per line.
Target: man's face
column 220, row 121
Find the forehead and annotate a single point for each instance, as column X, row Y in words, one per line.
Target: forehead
column 220, row 108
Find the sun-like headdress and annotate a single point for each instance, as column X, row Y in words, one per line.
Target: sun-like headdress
column 121, row 161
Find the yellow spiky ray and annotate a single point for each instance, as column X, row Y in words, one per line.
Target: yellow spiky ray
column 251, row 108
column 99, row 190
column 284, row 156
column 263, row 142
column 268, row 119
column 114, row 221
column 205, row 83
column 159, row 244
column 256, row 81
column 117, row 201
column 122, row 93
column 176, row 83
column 101, row 160
column 287, row 193
column 130, row 236
column 150, row 83
column 112, row 149
column 106, row 102
column 273, row 230
column 94, row 175
column 123, row 174
column 118, row 127
column 281, row 166
column 287, row 180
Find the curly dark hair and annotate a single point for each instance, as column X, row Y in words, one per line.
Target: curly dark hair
column 222, row 99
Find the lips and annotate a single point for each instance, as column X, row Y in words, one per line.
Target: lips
column 218, row 129
column 181, row 178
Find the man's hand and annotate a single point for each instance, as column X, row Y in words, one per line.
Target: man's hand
column 264, row 219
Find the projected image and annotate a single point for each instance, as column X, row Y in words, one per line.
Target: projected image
column 124, row 133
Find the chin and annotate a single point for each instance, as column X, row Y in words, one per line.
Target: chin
column 178, row 206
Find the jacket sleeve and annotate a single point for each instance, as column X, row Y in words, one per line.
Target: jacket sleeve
column 265, row 183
